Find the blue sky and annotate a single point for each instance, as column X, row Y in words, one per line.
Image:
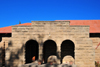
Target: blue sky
column 13, row 11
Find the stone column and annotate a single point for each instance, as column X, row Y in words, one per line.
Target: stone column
column 40, row 51
column 23, row 55
column 58, row 54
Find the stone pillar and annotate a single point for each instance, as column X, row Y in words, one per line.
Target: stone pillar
column 40, row 52
column 23, row 55
column 58, row 54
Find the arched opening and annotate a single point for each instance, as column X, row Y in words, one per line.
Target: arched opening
column 67, row 48
column 49, row 48
column 31, row 50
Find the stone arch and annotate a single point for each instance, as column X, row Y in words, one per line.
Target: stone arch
column 49, row 48
column 67, row 48
column 31, row 49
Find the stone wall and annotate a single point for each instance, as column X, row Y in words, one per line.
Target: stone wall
column 0, row 55
column 57, row 31
column 15, row 52
column 6, row 40
column 96, row 41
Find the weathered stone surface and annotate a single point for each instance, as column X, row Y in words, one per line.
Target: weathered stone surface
column 96, row 41
column 58, row 31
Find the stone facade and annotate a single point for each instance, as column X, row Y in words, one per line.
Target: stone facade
column 6, row 40
column 96, row 41
column 57, row 31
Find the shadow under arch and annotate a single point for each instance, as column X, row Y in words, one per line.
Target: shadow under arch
column 67, row 48
column 31, row 49
column 49, row 48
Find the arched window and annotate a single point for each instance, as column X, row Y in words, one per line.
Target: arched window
column 49, row 48
column 31, row 50
column 67, row 48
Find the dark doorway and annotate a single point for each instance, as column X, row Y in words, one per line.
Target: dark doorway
column 67, row 48
column 49, row 48
column 31, row 50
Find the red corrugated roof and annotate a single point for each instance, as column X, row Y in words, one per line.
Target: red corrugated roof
column 9, row 28
column 6, row 29
column 94, row 25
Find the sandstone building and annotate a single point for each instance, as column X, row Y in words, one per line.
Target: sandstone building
column 76, row 38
